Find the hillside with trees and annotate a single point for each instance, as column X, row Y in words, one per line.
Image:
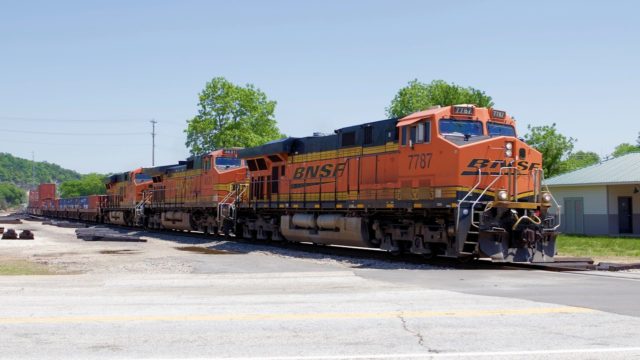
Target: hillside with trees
column 18, row 171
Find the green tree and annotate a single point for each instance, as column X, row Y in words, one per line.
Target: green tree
column 231, row 116
column 11, row 195
column 624, row 149
column 579, row 160
column 418, row 96
column 554, row 147
column 90, row 184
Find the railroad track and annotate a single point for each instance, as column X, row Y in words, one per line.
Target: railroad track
column 561, row 265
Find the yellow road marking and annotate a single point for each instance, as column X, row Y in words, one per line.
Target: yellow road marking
column 289, row 316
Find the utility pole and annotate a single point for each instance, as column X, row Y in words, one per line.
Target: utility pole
column 33, row 169
column 153, row 142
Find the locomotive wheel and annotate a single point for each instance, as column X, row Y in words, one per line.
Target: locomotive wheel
column 427, row 256
column 402, row 248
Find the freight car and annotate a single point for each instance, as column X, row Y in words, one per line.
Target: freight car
column 41, row 198
column 450, row 181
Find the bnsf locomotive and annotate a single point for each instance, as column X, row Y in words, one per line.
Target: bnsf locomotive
column 450, row 181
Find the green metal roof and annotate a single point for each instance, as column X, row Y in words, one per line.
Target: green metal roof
column 621, row 170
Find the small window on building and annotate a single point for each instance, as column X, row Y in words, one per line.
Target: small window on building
column 368, row 135
column 348, row 138
column 282, row 170
column 262, row 164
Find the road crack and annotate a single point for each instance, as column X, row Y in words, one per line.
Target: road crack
column 417, row 334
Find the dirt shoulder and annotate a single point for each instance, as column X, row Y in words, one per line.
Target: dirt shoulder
column 58, row 250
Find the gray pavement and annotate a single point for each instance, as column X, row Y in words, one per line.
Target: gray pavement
column 605, row 291
column 264, row 303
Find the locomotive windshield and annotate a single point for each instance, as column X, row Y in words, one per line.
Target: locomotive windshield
column 140, row 178
column 460, row 127
column 496, row 129
column 228, row 163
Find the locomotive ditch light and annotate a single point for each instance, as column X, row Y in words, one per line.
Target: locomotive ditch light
column 503, row 195
column 508, row 149
column 546, row 199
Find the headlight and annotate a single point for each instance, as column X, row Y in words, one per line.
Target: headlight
column 508, row 152
column 546, row 198
column 509, row 145
column 502, row 195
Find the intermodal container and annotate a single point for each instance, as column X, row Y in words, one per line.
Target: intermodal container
column 47, row 191
column 34, row 199
column 49, row 204
column 94, row 201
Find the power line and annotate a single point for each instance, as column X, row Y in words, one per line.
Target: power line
column 53, row 120
column 74, row 144
column 65, row 120
column 70, row 134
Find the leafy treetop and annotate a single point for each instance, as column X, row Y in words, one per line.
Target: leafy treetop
column 554, row 147
column 579, row 160
column 418, row 96
column 231, row 116
column 624, row 149
column 90, row 184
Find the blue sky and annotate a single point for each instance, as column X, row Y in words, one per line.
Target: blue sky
column 102, row 70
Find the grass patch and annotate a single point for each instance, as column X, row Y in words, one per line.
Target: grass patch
column 577, row 245
column 23, row 267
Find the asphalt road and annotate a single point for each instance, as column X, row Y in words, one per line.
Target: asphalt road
column 157, row 302
column 617, row 293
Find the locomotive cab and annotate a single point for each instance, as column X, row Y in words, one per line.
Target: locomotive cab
column 125, row 191
column 499, row 207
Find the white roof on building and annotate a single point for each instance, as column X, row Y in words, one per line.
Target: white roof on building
column 621, row 170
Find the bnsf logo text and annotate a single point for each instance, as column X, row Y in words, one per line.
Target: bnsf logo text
column 322, row 171
column 497, row 164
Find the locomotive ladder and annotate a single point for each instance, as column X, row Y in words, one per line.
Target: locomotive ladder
column 227, row 206
column 473, row 233
column 139, row 209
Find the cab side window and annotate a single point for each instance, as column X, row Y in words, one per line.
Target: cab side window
column 421, row 133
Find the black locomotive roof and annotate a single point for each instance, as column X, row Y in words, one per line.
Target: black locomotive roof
column 158, row 170
column 380, row 133
column 273, row 147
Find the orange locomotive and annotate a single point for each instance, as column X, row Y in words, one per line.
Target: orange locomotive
column 192, row 194
column 452, row 181
column 124, row 193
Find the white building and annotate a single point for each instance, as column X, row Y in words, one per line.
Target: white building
column 602, row 199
